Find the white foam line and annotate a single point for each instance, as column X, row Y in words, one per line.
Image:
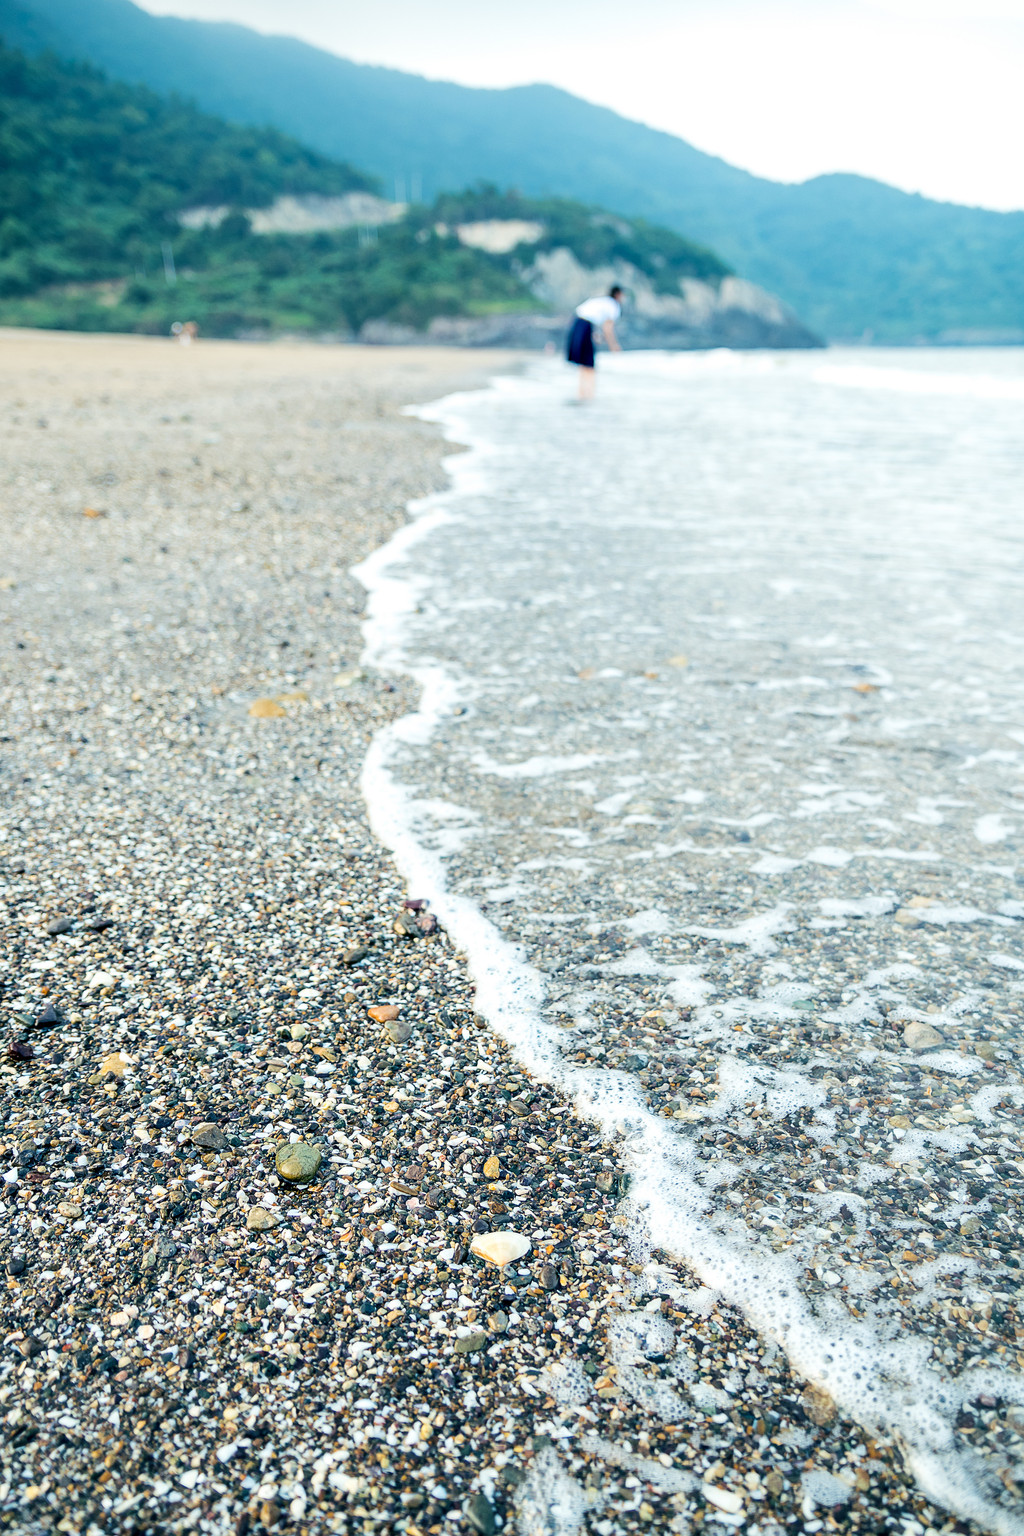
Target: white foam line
column 888, row 1386
column 912, row 381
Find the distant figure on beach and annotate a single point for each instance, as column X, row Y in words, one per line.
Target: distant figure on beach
column 186, row 334
column 602, row 311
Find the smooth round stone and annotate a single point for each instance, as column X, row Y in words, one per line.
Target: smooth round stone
column 298, row 1162
column 398, row 1031
column 922, row 1037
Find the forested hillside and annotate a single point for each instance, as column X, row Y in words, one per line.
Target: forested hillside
column 850, row 255
column 95, row 175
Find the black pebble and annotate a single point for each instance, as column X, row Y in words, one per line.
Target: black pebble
column 16, row 1266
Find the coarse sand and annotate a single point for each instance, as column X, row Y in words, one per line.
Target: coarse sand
column 238, row 1209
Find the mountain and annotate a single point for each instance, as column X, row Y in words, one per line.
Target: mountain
column 852, row 256
column 127, row 210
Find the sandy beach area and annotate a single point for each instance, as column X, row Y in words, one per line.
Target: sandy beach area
column 197, row 924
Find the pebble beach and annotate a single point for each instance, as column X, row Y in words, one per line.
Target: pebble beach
column 291, row 1240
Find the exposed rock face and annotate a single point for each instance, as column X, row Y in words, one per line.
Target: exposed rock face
column 697, row 315
column 499, row 236
column 303, row 215
column 733, row 314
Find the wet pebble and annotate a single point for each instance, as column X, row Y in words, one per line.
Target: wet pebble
column 480, row 1514
column 922, row 1037
column 210, row 1137
column 469, row 1343
column 298, row 1162
column 260, row 1220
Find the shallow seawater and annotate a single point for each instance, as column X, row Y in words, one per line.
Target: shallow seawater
column 719, row 779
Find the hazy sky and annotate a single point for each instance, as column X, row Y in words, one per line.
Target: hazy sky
column 927, row 94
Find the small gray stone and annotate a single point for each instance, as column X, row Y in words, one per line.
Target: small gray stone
column 261, row 1220
column 480, row 1514
column 922, row 1037
column 398, row 1031
column 469, row 1343
column 210, row 1137
column 549, row 1277
column 162, row 1248
column 497, row 1322
column 59, row 925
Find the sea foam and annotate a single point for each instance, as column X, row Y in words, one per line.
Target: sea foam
column 888, row 1384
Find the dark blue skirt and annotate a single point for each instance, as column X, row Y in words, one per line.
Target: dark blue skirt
column 580, row 349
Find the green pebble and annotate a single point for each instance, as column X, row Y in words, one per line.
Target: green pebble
column 297, row 1161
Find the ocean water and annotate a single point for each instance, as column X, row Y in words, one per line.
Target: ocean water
column 718, row 779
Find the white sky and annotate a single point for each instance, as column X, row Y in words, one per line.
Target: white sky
column 925, row 94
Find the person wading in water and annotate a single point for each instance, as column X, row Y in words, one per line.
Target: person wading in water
column 602, row 311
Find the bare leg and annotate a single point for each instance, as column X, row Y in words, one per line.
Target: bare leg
column 588, row 379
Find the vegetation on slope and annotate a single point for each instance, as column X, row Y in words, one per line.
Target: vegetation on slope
column 596, row 238
column 92, row 189
column 93, row 173
column 848, row 254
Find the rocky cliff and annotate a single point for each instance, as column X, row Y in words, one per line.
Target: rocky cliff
column 686, row 313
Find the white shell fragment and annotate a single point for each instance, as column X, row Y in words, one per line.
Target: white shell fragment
column 722, row 1498
column 500, row 1248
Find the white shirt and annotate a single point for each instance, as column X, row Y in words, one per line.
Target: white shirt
column 599, row 311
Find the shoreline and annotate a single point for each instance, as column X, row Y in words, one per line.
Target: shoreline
column 175, row 1362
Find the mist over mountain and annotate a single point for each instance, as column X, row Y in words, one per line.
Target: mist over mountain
column 852, row 256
